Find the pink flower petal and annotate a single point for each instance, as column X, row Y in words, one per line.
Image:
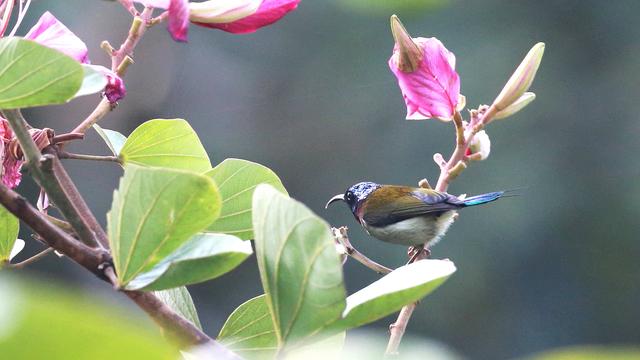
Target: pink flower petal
column 178, row 20
column 432, row 90
column 52, row 33
column 10, row 166
column 160, row 4
column 269, row 12
column 11, row 174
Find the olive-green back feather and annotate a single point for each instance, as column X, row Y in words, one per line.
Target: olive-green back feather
column 390, row 204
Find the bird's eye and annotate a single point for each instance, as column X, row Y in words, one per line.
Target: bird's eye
column 349, row 196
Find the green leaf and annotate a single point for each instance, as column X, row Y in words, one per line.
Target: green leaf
column 9, row 228
column 114, row 140
column 249, row 330
column 154, row 212
column 589, row 352
column 203, row 257
column 237, row 179
column 35, row 75
column 166, row 143
column 181, row 302
column 70, row 325
column 300, row 269
column 405, row 285
column 93, row 81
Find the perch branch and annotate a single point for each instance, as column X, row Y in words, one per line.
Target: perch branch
column 340, row 234
column 448, row 171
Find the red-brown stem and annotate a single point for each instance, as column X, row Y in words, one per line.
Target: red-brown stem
column 118, row 58
column 463, row 140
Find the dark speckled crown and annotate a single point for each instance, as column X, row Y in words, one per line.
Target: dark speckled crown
column 363, row 189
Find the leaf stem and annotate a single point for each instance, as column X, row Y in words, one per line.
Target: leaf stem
column 68, row 155
column 32, row 259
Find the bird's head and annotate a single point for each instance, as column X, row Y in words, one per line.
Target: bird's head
column 355, row 195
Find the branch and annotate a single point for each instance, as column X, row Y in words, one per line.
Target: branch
column 448, row 171
column 50, row 175
column 94, row 260
column 340, row 235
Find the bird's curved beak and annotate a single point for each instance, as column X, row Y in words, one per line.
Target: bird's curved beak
column 334, row 199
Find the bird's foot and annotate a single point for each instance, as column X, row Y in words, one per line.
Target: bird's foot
column 417, row 253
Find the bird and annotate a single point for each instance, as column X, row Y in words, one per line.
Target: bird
column 404, row 215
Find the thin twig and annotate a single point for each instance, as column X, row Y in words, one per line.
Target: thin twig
column 68, row 155
column 120, row 60
column 340, row 234
column 32, row 259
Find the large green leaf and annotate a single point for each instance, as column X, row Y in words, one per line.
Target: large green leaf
column 405, row 285
column 249, row 330
column 300, row 269
column 237, row 179
column 68, row 325
column 35, row 75
column 181, row 302
column 114, row 140
column 166, row 143
column 9, row 228
column 203, row 257
column 154, row 212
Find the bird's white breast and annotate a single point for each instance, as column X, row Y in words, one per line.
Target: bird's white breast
column 415, row 231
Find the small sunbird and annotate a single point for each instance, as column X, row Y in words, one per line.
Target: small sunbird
column 405, row 215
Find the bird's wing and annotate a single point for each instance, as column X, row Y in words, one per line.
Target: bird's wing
column 391, row 204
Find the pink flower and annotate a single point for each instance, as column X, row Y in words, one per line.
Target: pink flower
column 178, row 16
column 207, row 14
column 52, row 33
column 115, row 89
column 425, row 70
column 10, row 169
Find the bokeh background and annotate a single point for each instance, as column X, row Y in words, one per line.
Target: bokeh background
column 312, row 98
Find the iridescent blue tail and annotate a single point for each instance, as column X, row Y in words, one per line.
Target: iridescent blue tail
column 482, row 199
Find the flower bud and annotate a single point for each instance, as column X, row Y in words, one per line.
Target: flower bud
column 480, row 146
column 409, row 55
column 516, row 106
column 521, row 79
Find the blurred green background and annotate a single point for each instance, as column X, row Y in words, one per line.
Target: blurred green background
column 312, row 98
